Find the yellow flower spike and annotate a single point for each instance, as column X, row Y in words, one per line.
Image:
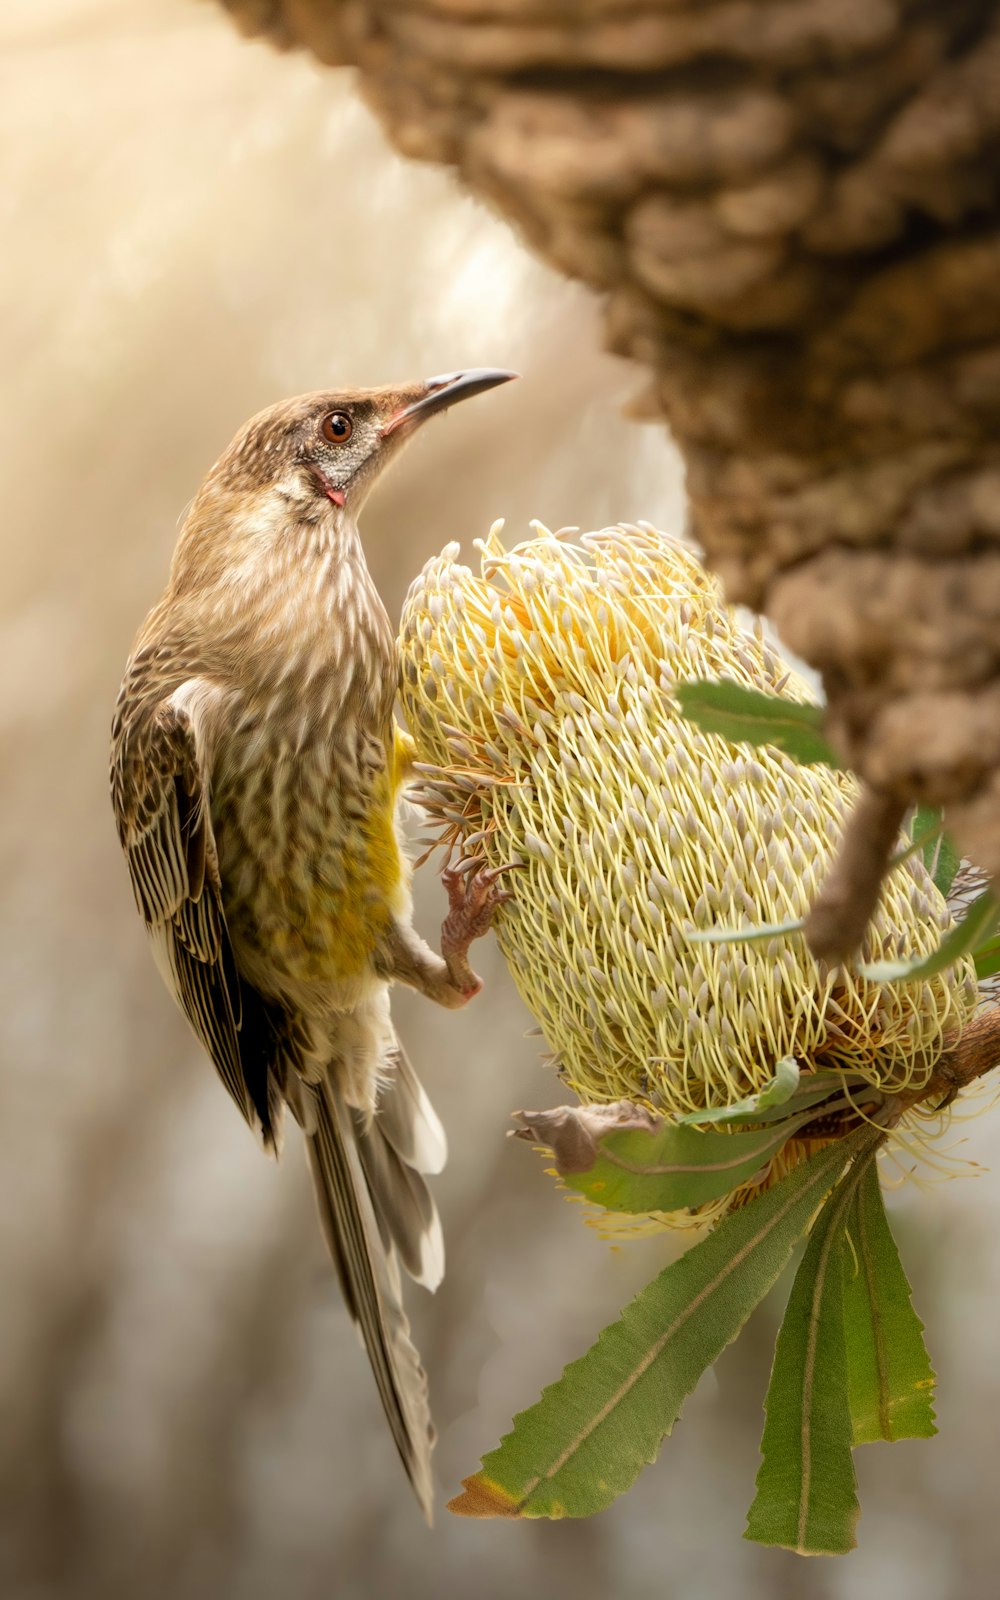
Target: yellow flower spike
column 542, row 690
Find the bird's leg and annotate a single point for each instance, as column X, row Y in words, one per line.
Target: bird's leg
column 448, row 979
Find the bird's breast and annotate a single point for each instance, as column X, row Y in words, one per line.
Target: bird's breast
column 312, row 871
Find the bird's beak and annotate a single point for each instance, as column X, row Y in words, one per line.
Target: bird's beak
column 440, row 393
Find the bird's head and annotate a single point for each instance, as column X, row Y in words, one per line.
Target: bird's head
column 328, row 448
column 293, row 480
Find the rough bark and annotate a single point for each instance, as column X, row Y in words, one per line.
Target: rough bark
column 791, row 208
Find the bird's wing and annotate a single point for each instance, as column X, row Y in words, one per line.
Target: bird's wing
column 346, row 1159
column 160, row 793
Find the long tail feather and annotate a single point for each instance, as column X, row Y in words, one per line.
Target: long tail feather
column 347, row 1189
column 407, row 1118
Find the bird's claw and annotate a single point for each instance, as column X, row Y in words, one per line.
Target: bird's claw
column 474, row 897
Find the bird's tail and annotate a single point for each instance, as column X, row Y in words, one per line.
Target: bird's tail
column 376, row 1212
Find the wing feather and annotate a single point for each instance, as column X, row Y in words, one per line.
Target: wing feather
column 160, row 791
column 374, row 1204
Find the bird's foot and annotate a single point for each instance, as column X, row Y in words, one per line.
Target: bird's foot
column 473, row 898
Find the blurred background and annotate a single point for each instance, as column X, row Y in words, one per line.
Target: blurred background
column 194, row 227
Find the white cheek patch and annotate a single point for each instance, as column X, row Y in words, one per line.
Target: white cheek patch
column 340, row 463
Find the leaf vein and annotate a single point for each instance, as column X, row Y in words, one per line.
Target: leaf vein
column 878, row 1326
column 656, row 1349
column 781, row 1136
column 812, row 1339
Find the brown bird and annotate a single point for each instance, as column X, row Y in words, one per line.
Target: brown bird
column 255, row 771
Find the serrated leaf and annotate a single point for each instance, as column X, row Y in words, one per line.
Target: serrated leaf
column 589, row 1436
column 890, row 1378
column 746, row 716
column 806, row 1496
column 974, row 932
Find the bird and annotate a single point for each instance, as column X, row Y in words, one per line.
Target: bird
column 256, row 768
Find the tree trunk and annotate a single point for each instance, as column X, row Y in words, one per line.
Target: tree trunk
column 790, row 207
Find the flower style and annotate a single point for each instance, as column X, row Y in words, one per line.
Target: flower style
column 540, row 696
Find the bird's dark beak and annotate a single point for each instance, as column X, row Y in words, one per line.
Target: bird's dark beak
column 440, row 393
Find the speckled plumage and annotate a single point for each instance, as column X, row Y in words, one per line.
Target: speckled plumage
column 254, row 779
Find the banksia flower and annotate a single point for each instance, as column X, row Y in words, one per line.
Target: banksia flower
column 540, row 696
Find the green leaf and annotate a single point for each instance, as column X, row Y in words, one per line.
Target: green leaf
column 775, row 1093
column 890, row 1378
column 987, row 959
column 926, row 825
column 589, row 1436
column 676, row 1166
column 941, row 858
column 811, row 1090
column 973, row 933
column 753, row 933
column 622, row 1157
column 925, row 838
column 806, row 1490
column 943, row 861
column 746, row 716
column 943, row 864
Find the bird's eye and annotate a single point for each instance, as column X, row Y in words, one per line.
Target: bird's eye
column 337, row 427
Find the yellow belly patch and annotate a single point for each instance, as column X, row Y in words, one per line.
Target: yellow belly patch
column 335, row 927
